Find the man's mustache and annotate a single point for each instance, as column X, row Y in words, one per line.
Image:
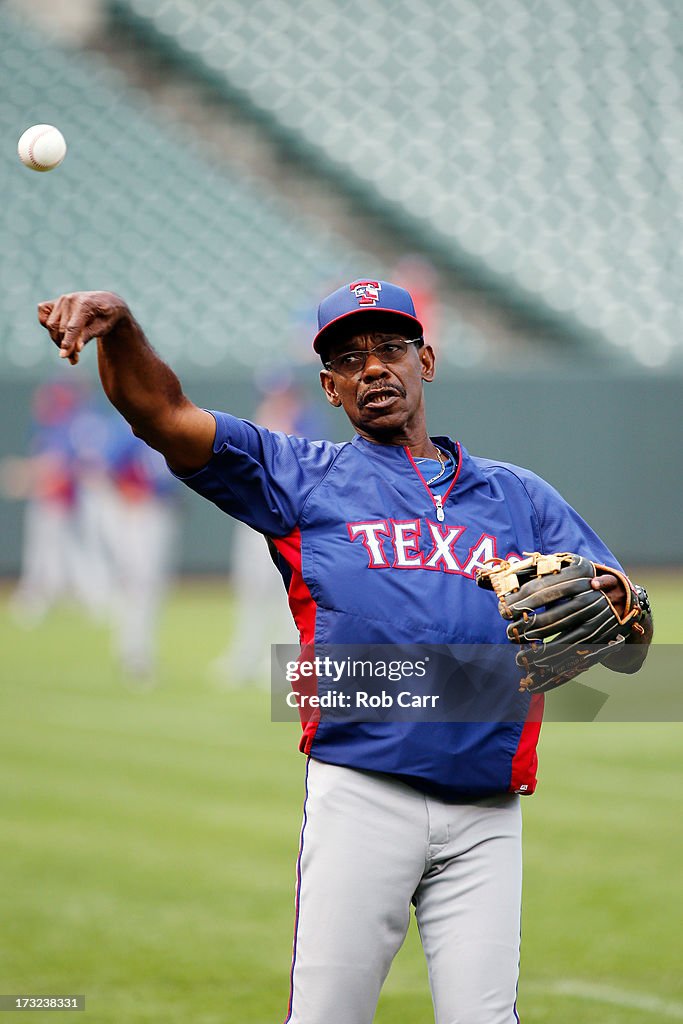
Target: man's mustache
column 393, row 389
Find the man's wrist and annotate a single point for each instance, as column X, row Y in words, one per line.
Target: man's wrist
column 643, row 600
column 642, row 627
column 124, row 328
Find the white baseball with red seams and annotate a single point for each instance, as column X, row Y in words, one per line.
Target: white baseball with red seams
column 42, row 147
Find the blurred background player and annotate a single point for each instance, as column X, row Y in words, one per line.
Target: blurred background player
column 99, row 523
column 139, row 520
column 52, row 559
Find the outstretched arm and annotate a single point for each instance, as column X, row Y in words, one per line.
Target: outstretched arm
column 136, row 381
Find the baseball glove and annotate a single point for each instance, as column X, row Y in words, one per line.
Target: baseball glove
column 561, row 622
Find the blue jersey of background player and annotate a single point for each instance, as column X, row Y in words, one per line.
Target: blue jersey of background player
column 378, row 541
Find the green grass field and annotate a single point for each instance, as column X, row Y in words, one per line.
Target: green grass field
column 148, row 842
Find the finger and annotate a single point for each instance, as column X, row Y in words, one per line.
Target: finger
column 55, row 313
column 44, row 310
column 57, row 336
column 606, row 582
column 613, row 590
column 76, row 336
column 67, row 353
column 54, row 326
column 77, row 349
column 70, row 348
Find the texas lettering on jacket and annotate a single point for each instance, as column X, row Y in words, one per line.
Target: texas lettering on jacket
column 412, row 544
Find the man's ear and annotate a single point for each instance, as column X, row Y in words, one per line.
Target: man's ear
column 428, row 362
column 327, row 383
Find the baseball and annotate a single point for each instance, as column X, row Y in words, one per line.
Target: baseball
column 42, row 147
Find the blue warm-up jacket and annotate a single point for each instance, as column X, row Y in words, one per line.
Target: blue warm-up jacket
column 370, row 554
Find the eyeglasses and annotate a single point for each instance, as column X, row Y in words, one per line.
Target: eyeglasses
column 348, row 364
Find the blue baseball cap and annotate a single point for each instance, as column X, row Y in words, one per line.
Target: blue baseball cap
column 365, row 297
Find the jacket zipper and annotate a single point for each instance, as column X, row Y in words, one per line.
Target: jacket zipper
column 437, row 499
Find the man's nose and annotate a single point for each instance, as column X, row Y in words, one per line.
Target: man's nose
column 374, row 367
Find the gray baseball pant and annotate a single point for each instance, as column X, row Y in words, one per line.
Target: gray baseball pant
column 372, row 845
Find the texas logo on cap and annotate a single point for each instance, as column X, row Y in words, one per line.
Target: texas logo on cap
column 365, row 296
column 367, row 292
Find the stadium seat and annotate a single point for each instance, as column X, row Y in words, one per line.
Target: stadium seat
column 543, row 141
column 219, row 271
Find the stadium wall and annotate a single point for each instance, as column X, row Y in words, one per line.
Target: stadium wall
column 610, row 445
